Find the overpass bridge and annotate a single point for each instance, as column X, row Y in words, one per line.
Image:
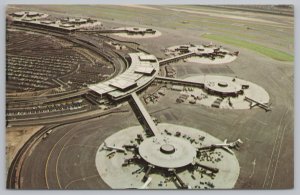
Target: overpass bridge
column 141, row 31
column 179, row 81
column 105, row 31
column 176, row 58
column 142, row 115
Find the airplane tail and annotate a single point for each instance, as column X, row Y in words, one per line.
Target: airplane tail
column 146, row 183
column 239, row 141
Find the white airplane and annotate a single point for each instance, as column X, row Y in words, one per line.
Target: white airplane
column 228, row 146
column 106, row 147
column 265, row 106
column 146, row 183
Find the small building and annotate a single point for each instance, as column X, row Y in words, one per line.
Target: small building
column 67, row 25
column 18, row 14
column 123, row 85
column 147, row 70
column 149, row 58
column 47, row 22
column 28, row 19
column 76, row 21
column 177, row 87
column 33, row 14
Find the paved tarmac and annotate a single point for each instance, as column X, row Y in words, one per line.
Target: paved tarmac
column 66, row 158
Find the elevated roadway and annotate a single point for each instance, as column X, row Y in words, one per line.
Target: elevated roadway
column 142, row 115
column 180, row 81
column 176, row 58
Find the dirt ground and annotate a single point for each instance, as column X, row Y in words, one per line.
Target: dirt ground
column 15, row 139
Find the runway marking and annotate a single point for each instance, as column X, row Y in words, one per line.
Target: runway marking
column 80, row 145
column 262, row 122
column 62, row 149
column 46, row 167
column 56, row 167
column 253, row 169
column 160, row 110
column 83, row 178
column 278, row 140
column 278, row 155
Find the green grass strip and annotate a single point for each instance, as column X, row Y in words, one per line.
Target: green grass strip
column 273, row 53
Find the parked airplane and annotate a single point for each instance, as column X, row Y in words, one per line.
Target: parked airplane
column 225, row 146
column 228, row 146
column 106, row 147
column 146, row 183
column 253, row 103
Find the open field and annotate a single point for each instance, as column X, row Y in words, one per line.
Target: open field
column 275, row 54
column 283, row 36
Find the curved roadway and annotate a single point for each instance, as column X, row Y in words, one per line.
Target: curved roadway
column 66, row 158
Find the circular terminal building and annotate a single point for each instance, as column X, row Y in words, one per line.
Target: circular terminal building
column 167, row 152
column 28, row 14
column 222, row 87
column 224, row 92
column 76, row 21
column 204, row 54
column 177, row 157
column 136, row 32
column 33, row 14
column 18, row 14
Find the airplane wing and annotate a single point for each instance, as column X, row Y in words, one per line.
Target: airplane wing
column 227, row 149
column 113, row 148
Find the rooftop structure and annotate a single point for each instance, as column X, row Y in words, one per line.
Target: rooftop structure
column 138, row 75
column 75, row 20
column 135, row 32
column 66, row 25
column 140, row 30
column 28, row 14
column 47, row 22
column 116, row 45
column 222, row 87
column 123, row 84
column 33, row 14
column 34, row 19
column 167, row 152
column 205, row 54
column 175, row 152
column 18, row 14
column 145, row 70
column 82, row 23
column 150, row 58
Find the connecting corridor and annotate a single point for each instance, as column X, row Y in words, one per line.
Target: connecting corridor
column 142, row 115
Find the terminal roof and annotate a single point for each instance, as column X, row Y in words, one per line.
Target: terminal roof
column 136, row 76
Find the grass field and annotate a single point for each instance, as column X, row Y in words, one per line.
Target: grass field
column 275, row 41
column 273, row 53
